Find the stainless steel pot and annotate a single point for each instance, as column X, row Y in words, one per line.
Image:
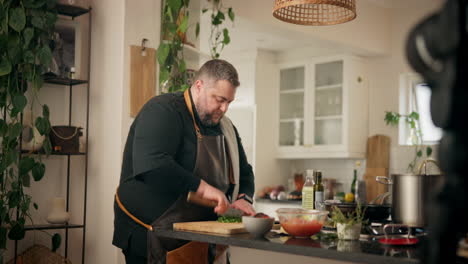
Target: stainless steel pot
column 411, row 194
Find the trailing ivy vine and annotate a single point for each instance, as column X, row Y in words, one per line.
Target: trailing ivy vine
column 219, row 37
column 26, row 30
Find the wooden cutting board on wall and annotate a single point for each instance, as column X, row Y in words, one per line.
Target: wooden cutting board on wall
column 377, row 164
column 142, row 77
column 211, row 227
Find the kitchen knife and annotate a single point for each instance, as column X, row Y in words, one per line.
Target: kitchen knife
column 194, row 198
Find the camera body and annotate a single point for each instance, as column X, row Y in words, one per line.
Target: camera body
column 437, row 48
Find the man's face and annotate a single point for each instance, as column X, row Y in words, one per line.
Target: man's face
column 213, row 101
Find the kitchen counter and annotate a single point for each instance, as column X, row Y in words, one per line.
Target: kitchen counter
column 352, row 251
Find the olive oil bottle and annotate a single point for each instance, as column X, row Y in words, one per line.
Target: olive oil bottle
column 308, row 191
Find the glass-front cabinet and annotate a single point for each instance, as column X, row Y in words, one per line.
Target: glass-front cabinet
column 323, row 109
column 292, row 102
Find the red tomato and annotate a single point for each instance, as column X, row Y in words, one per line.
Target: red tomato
column 300, row 228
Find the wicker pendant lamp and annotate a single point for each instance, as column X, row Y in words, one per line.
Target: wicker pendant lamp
column 315, row 12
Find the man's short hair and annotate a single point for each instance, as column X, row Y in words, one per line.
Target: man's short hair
column 218, row 70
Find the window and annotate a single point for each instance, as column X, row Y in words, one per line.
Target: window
column 415, row 96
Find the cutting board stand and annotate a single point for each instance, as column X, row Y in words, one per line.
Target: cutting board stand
column 378, row 161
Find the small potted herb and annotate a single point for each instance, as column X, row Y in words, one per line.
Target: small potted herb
column 348, row 225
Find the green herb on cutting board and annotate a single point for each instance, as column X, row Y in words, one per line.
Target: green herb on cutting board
column 229, row 219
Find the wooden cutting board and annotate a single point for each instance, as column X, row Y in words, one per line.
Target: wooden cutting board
column 378, row 152
column 377, row 164
column 211, row 227
column 142, row 77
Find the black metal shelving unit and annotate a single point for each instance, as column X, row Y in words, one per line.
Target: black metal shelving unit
column 70, row 11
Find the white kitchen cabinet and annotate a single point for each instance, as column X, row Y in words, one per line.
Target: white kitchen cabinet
column 322, row 109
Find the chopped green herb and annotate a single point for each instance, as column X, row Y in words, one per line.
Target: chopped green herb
column 229, row 219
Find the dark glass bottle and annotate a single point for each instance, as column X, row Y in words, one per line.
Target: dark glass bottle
column 318, row 189
column 353, row 184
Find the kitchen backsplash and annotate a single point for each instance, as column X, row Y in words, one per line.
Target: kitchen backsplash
column 339, row 169
column 342, row 169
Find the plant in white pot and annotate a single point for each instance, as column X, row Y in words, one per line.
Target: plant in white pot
column 348, row 226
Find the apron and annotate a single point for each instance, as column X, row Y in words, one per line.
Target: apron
column 211, row 165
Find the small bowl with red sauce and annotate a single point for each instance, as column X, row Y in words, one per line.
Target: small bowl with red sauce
column 301, row 222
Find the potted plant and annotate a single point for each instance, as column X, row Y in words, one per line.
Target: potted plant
column 26, row 33
column 172, row 66
column 348, row 225
column 415, row 137
column 219, row 38
column 173, row 73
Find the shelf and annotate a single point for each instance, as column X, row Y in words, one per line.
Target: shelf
column 333, row 117
column 53, row 153
column 289, row 120
column 51, row 226
column 292, row 91
column 71, row 11
column 328, row 87
column 64, row 81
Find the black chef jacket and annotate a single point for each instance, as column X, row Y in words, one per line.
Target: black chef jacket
column 158, row 161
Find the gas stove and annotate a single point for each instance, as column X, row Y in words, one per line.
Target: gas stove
column 389, row 229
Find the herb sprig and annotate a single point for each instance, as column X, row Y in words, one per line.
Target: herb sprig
column 229, row 219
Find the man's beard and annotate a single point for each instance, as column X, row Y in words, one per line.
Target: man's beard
column 207, row 120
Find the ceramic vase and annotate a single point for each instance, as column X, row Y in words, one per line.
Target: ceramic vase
column 57, row 214
column 348, row 232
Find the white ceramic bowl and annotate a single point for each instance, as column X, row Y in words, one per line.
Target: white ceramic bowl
column 258, row 227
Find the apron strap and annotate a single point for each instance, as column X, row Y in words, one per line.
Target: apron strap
column 117, row 199
column 188, row 102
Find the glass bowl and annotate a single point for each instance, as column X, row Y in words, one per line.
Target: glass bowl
column 301, row 222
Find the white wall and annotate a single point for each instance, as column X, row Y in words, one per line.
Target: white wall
column 120, row 25
column 268, row 169
column 107, row 90
column 142, row 20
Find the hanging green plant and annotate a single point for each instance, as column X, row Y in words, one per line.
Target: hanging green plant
column 416, row 135
column 26, row 31
column 173, row 74
column 219, row 36
column 172, row 66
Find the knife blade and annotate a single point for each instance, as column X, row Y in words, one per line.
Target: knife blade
column 194, row 198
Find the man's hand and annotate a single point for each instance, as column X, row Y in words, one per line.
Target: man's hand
column 244, row 206
column 209, row 192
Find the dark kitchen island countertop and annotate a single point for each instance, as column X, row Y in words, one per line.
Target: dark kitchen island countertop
column 362, row 251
